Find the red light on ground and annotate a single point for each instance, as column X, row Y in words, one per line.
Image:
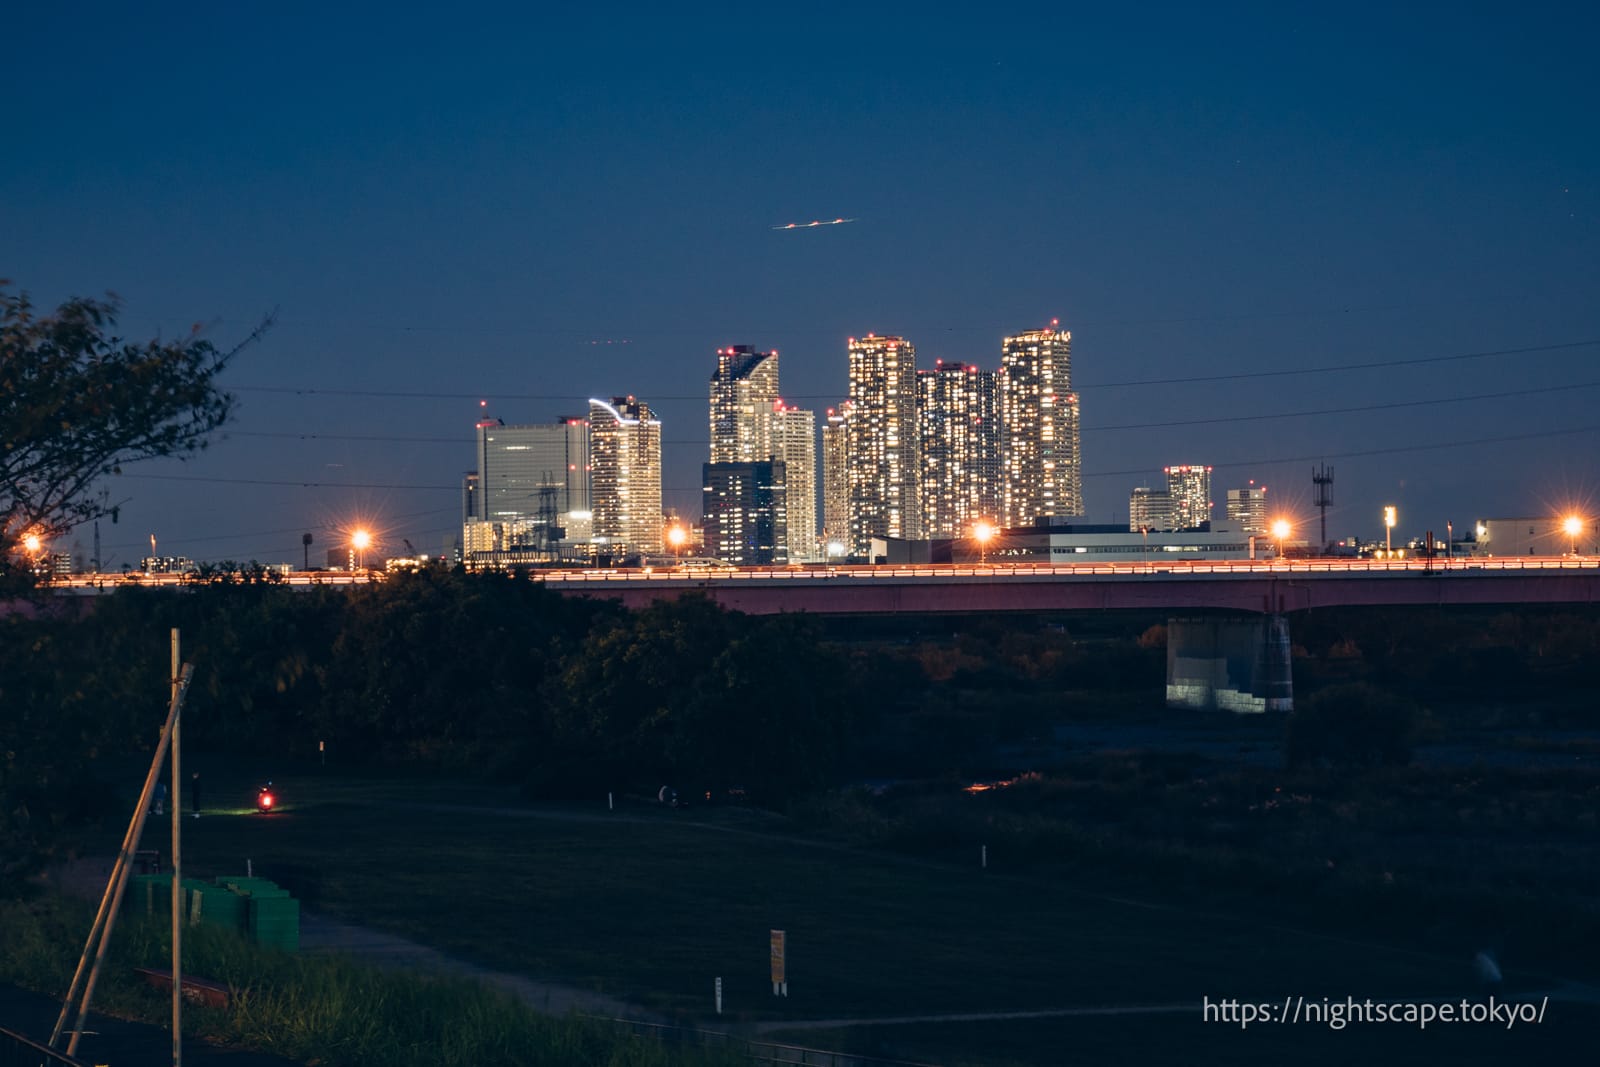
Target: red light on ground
column 265, row 801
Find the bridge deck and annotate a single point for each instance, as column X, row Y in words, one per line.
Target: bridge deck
column 1234, row 585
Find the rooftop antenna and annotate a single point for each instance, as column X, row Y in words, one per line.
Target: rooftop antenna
column 1322, row 478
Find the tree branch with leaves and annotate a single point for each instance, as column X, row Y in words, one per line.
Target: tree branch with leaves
column 78, row 402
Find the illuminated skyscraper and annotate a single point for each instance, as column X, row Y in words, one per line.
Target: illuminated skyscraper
column 1149, row 509
column 744, row 513
column 1248, row 508
column 836, row 484
column 957, row 424
column 1039, row 420
column 750, row 424
column 989, row 440
column 744, row 389
column 1190, row 488
column 883, row 460
column 625, row 451
column 517, row 465
column 794, row 447
column 531, row 488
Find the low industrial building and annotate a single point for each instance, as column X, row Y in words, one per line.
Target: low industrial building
column 1084, row 543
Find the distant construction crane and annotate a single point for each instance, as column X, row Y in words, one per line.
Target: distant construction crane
column 1322, row 478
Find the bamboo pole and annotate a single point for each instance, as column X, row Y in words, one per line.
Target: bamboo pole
column 177, row 865
column 130, row 844
column 120, row 876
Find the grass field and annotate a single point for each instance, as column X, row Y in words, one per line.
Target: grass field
column 652, row 905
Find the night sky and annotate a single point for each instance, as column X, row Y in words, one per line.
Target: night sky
column 452, row 204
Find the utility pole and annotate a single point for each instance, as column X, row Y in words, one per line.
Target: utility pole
column 1322, row 478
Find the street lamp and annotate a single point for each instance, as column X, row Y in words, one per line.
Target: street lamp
column 676, row 536
column 983, row 533
column 1280, row 531
column 359, row 540
column 1390, row 517
column 33, row 544
column 1572, row 526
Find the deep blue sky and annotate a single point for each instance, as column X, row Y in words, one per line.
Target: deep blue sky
column 469, row 203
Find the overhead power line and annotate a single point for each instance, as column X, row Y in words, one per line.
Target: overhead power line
column 1339, row 367
column 1277, row 372
column 1384, row 451
column 1259, row 461
column 1161, row 425
column 1502, row 395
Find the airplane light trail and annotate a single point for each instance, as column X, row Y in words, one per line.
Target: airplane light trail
column 812, row 223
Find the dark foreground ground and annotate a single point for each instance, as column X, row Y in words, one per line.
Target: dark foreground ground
column 114, row 1041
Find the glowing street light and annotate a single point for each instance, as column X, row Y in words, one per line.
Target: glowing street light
column 1281, row 529
column 32, row 544
column 1572, row 526
column 360, row 540
column 1390, row 516
column 676, row 536
column 983, row 533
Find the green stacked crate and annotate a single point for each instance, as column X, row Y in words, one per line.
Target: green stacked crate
column 189, row 887
column 275, row 921
column 216, row 905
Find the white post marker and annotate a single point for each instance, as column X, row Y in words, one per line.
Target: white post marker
column 984, row 858
column 719, row 994
column 611, row 802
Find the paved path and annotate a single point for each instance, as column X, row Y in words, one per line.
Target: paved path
column 324, row 935
column 320, row 934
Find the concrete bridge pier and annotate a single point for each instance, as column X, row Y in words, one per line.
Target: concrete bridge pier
column 1231, row 663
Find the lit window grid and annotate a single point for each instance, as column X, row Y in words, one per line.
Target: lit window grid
column 1039, row 420
column 1190, row 487
column 883, row 461
column 625, row 448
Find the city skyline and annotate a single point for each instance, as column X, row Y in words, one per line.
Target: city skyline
column 1220, row 212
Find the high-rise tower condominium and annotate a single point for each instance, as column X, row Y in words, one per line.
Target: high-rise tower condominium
column 625, row 454
column 956, row 422
column 1190, row 488
column 794, row 445
column 744, row 389
column 751, row 424
column 1041, row 462
column 836, row 484
column 883, row 454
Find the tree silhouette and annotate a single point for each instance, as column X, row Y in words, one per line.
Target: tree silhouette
column 78, row 402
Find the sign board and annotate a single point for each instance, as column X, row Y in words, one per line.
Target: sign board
column 779, row 979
